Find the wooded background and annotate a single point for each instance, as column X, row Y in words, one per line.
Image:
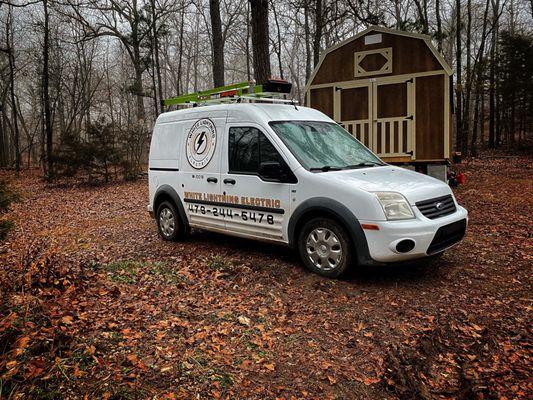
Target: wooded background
column 81, row 82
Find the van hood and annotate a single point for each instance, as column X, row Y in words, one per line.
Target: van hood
column 413, row 185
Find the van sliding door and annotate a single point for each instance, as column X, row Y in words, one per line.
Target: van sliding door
column 255, row 207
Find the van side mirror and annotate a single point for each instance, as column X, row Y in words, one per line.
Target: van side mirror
column 272, row 171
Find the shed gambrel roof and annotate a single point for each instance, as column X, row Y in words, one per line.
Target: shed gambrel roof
column 379, row 29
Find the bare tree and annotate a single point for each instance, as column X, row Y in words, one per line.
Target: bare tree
column 277, row 44
column 492, row 74
column 217, row 43
column 439, row 25
column 458, row 86
column 422, row 8
column 260, row 39
column 47, row 113
column 468, row 91
column 479, row 67
column 11, row 62
column 158, row 92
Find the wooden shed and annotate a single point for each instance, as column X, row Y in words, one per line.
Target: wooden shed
column 391, row 90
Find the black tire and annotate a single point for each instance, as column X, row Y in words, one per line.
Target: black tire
column 179, row 230
column 341, row 241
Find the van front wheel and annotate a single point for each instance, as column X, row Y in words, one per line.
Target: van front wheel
column 325, row 247
column 169, row 224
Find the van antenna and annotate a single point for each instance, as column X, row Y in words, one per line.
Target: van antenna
column 294, row 104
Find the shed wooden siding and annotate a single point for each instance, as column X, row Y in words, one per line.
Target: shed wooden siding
column 430, row 117
column 410, row 55
column 354, row 104
column 322, row 100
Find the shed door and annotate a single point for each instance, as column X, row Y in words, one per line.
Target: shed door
column 380, row 115
column 393, row 116
column 356, row 112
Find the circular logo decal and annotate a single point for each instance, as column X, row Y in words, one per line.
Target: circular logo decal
column 201, row 143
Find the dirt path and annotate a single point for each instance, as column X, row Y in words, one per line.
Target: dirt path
column 108, row 310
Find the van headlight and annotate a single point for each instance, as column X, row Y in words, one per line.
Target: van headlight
column 394, row 205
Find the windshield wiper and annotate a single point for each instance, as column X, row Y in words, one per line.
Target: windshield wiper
column 325, row 168
column 363, row 164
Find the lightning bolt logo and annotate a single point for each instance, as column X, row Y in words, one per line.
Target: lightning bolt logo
column 199, row 142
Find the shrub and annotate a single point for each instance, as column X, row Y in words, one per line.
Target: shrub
column 7, row 196
column 99, row 156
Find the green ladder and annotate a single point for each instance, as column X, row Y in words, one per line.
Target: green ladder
column 271, row 90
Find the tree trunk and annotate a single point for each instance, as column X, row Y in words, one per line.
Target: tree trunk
column 47, row 117
column 139, row 89
column 422, row 15
column 14, row 112
column 492, row 76
column 479, row 68
column 137, row 64
column 482, row 116
column 466, row 113
column 278, row 52
column 319, row 27
column 473, row 144
column 159, row 95
column 180, row 58
column 4, row 142
column 439, row 25
column 248, row 69
column 307, row 41
column 458, row 90
column 154, row 83
column 398, row 15
column 259, row 10
column 217, row 43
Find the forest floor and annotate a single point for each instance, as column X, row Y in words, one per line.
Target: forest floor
column 95, row 305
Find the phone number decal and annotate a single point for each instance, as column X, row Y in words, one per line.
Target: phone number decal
column 223, row 212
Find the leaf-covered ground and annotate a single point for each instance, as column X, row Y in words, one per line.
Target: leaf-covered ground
column 95, row 305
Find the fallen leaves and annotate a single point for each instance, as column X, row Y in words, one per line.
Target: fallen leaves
column 244, row 320
column 111, row 310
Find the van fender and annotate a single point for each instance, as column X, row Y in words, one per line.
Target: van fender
column 327, row 206
column 169, row 191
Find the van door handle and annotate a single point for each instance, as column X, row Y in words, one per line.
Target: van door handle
column 212, row 180
column 229, row 181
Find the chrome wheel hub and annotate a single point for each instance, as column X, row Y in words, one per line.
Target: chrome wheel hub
column 324, row 249
column 167, row 222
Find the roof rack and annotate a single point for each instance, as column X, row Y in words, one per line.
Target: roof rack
column 273, row 90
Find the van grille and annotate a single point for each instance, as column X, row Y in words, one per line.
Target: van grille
column 447, row 236
column 437, row 207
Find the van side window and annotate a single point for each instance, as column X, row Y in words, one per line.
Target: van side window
column 248, row 148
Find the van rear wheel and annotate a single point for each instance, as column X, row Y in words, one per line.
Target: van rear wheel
column 325, row 247
column 169, row 224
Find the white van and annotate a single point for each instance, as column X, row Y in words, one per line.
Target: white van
column 289, row 174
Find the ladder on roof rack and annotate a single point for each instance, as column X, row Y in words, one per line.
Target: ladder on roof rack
column 273, row 90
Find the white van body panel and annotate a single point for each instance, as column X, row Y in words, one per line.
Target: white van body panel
column 254, row 208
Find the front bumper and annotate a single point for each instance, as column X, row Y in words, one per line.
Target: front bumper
column 421, row 230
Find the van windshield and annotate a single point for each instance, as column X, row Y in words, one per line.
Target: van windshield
column 324, row 146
